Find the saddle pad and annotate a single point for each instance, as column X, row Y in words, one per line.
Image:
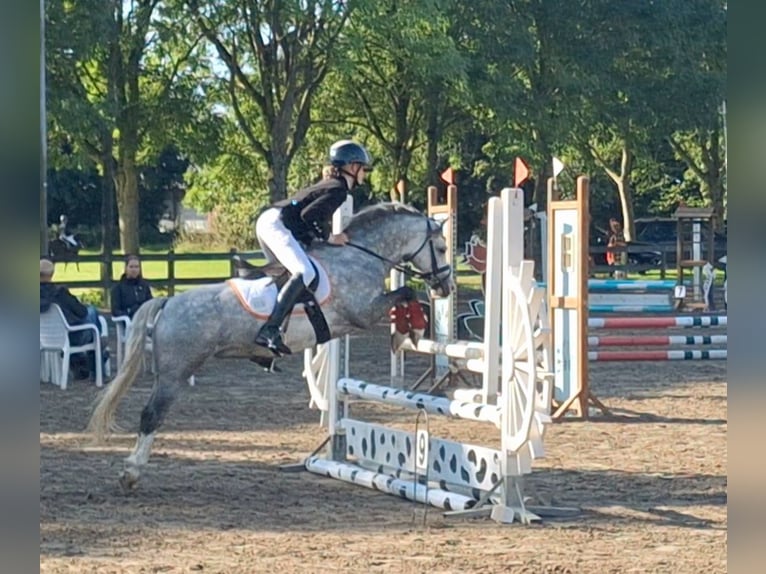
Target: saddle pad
column 258, row 296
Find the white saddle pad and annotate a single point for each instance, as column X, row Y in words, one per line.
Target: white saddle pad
column 258, row 296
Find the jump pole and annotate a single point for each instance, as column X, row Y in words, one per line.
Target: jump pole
column 568, row 230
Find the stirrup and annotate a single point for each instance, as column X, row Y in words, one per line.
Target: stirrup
column 269, row 364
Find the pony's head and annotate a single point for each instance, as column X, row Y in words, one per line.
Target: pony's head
column 430, row 258
column 422, row 241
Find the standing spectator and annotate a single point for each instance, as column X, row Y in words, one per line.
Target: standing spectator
column 75, row 313
column 616, row 240
column 131, row 291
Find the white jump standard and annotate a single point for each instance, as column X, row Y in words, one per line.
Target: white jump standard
column 463, row 479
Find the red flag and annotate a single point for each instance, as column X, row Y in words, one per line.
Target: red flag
column 448, row 176
column 520, row 172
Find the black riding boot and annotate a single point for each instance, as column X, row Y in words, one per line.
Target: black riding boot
column 270, row 335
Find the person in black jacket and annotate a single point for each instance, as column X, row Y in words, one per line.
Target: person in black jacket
column 131, row 291
column 74, row 311
column 287, row 229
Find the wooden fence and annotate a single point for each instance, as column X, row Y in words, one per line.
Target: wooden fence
column 170, row 282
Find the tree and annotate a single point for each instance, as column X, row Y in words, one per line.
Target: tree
column 702, row 151
column 276, row 54
column 119, row 87
column 396, row 82
column 634, row 72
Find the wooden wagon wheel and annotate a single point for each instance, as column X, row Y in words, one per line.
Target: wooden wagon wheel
column 519, row 366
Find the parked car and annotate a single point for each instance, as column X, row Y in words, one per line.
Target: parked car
column 663, row 232
column 639, row 252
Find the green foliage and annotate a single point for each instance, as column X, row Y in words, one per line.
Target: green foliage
column 252, row 94
column 93, row 297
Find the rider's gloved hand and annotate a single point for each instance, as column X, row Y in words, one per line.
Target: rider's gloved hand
column 338, row 239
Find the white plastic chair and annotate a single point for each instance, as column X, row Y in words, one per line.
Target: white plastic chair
column 122, row 324
column 54, row 338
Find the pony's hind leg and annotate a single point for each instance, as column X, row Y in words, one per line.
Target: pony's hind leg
column 163, row 395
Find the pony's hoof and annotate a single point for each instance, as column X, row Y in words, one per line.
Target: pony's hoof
column 128, row 481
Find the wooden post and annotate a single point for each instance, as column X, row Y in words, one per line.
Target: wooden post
column 171, row 272
column 444, row 310
column 105, row 272
column 232, row 253
column 568, row 271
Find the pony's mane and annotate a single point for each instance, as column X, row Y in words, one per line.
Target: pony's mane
column 370, row 215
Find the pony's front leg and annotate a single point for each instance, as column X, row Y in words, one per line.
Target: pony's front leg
column 381, row 304
column 152, row 416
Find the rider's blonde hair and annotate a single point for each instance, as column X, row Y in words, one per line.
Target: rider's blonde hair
column 329, row 171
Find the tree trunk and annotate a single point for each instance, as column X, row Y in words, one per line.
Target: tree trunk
column 432, row 139
column 127, row 204
column 541, row 175
column 712, row 183
column 625, row 189
column 622, row 180
column 278, row 168
column 107, row 199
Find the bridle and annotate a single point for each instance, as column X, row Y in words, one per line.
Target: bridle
column 434, row 277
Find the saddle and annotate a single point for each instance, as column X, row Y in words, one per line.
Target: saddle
column 279, row 274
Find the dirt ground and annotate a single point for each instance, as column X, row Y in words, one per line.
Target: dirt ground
column 651, row 482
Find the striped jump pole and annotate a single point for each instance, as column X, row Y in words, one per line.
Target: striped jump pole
column 611, row 285
column 607, row 356
column 429, row 403
column 628, row 308
column 390, row 485
column 657, row 341
column 457, row 350
column 654, row 322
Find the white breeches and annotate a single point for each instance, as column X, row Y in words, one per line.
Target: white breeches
column 278, row 244
column 69, row 239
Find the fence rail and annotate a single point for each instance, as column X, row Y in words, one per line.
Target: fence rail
column 106, row 261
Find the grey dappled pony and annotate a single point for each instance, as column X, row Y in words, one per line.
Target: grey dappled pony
column 210, row 321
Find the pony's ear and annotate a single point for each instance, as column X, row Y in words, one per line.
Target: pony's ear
column 441, row 224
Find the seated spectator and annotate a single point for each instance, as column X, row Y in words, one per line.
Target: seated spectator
column 75, row 313
column 131, row 291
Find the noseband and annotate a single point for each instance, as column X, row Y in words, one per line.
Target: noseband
column 432, row 277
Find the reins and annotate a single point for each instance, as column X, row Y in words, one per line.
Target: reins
column 394, row 264
column 434, row 273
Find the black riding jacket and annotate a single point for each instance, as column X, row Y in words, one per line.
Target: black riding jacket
column 74, row 311
column 308, row 213
column 128, row 295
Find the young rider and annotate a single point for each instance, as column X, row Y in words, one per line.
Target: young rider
column 287, row 229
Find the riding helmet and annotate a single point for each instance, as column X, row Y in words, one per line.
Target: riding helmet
column 344, row 152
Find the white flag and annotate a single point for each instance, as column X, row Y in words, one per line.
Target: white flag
column 558, row 166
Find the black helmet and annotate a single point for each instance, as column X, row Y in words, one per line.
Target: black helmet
column 344, row 152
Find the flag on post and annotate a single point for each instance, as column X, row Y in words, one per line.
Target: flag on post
column 558, row 166
column 520, row 172
column 448, row 176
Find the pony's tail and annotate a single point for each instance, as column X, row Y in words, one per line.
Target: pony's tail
column 103, row 414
